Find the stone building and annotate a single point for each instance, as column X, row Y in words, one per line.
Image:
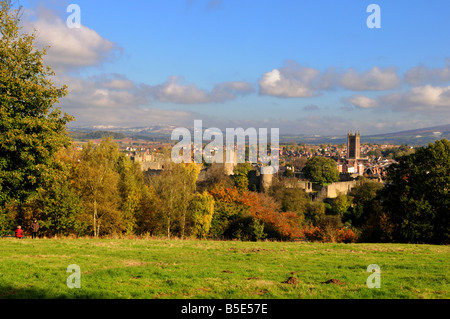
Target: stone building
column 353, row 146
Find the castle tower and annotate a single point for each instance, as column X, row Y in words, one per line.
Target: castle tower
column 266, row 178
column 353, row 145
column 228, row 162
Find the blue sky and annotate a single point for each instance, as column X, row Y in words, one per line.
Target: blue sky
column 306, row 67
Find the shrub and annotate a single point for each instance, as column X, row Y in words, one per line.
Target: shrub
column 346, row 236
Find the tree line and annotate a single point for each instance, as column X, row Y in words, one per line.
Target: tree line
column 99, row 191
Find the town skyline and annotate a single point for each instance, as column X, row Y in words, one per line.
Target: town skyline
column 304, row 68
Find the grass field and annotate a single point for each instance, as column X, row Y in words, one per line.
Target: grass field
column 175, row 269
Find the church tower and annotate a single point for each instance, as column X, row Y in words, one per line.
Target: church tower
column 353, row 145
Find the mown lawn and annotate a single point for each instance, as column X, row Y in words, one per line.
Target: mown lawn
column 175, row 269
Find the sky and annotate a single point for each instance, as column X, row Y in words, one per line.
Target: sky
column 305, row 67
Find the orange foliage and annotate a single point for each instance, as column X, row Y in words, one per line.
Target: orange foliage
column 346, row 236
column 264, row 208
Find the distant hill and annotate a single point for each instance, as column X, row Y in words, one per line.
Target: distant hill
column 411, row 137
column 96, row 135
column 422, row 131
column 416, row 137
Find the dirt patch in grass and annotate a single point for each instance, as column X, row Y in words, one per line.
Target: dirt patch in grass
column 132, row 263
column 204, row 289
column 254, row 250
column 333, row 281
column 291, row 281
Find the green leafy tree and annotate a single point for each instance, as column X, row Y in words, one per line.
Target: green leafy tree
column 341, row 204
column 315, row 211
column 240, row 176
column 321, row 170
column 291, row 198
column 57, row 207
column 416, row 197
column 366, row 209
column 257, row 228
column 32, row 129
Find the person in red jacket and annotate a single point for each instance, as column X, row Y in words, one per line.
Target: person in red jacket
column 19, row 232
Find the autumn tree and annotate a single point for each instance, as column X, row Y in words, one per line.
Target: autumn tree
column 132, row 191
column 147, row 217
column 96, row 179
column 227, row 209
column 32, row 129
column 187, row 180
column 201, row 210
column 174, row 189
column 240, row 214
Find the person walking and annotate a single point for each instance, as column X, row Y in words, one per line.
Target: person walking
column 19, row 232
column 34, row 228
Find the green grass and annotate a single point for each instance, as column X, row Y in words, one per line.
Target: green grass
column 176, row 269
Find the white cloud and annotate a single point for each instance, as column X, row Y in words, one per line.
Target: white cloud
column 426, row 99
column 423, row 98
column 175, row 90
column 361, row 101
column 230, row 90
column 70, row 48
column 375, row 79
column 115, row 100
column 115, row 81
column 422, row 75
column 296, row 81
column 104, row 92
column 290, row 81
